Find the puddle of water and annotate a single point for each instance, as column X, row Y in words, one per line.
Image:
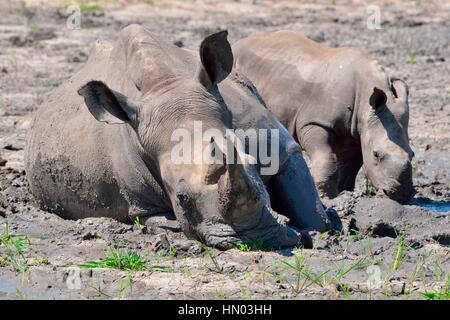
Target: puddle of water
column 432, row 205
column 8, row 286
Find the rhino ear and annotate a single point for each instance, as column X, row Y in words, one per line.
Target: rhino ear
column 378, row 99
column 107, row 105
column 216, row 59
column 399, row 88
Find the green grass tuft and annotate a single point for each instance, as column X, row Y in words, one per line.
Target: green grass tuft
column 123, row 260
column 15, row 246
column 437, row 295
column 253, row 245
column 401, row 251
column 217, row 267
column 369, row 190
column 91, row 8
column 137, row 223
column 34, row 28
column 411, row 57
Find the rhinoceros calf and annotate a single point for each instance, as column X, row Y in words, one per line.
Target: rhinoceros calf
column 102, row 145
column 339, row 104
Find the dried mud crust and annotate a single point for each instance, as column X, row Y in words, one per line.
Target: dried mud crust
column 408, row 243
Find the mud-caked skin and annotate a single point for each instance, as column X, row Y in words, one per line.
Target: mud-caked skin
column 339, row 104
column 101, row 145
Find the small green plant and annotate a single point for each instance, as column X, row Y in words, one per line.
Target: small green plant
column 37, row 262
column 2, row 105
column 415, row 164
column 25, row 11
column 137, row 223
column 15, row 246
column 253, row 245
column 123, row 260
column 99, row 290
column 246, row 294
column 304, row 276
column 437, row 295
column 336, row 276
column 13, row 60
column 411, row 57
column 150, row 2
column 220, row 293
column 213, row 258
column 369, row 190
column 443, row 294
column 35, row 28
column 41, row 94
column 125, row 286
column 91, row 8
column 20, row 294
column 400, row 252
column 350, row 237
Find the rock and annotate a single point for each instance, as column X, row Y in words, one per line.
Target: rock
column 160, row 244
column 31, row 37
column 2, row 162
column 78, row 57
column 89, row 236
column 335, row 221
column 381, row 229
column 379, row 216
column 188, row 246
column 179, row 43
column 397, row 287
column 11, row 147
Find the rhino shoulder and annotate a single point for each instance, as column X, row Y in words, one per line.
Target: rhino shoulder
column 99, row 49
column 355, row 57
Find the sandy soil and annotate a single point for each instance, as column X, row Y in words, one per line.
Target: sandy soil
column 38, row 52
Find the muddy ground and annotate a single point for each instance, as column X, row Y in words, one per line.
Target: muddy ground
column 404, row 249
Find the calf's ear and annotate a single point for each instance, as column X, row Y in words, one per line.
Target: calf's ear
column 107, row 105
column 378, row 99
column 216, row 59
column 400, row 88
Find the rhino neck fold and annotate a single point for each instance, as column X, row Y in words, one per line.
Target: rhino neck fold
column 355, row 112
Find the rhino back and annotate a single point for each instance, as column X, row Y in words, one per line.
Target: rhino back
column 301, row 81
column 68, row 160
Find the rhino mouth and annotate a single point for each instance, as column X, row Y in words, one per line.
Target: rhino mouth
column 269, row 227
column 399, row 191
column 400, row 194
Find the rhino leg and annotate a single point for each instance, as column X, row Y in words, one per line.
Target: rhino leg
column 348, row 170
column 324, row 162
column 294, row 195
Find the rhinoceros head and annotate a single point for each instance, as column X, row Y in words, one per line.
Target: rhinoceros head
column 386, row 151
column 218, row 203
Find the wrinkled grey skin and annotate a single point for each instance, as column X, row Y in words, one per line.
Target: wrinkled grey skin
column 101, row 145
column 339, row 104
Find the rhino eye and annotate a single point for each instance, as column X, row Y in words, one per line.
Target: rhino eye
column 378, row 155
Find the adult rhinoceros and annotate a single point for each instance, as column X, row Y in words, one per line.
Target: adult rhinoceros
column 339, row 104
column 101, row 145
